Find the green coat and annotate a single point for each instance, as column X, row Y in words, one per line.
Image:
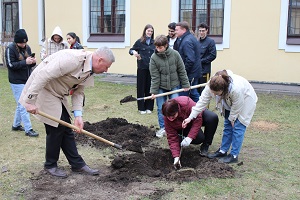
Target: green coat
column 167, row 71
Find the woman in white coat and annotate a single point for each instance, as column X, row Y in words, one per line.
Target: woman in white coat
column 236, row 100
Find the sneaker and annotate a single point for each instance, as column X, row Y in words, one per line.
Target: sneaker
column 160, row 133
column 31, row 133
column 204, row 149
column 217, row 154
column 228, row 159
column 148, row 111
column 143, row 112
column 18, row 128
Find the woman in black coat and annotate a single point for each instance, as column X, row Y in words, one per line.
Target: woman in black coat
column 142, row 49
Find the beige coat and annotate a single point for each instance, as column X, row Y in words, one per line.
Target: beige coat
column 49, row 84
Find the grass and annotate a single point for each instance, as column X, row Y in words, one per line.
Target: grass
column 270, row 152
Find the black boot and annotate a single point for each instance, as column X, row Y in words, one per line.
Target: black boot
column 217, row 154
column 204, row 149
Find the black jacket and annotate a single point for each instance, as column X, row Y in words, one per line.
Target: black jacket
column 208, row 53
column 189, row 50
column 145, row 52
column 18, row 70
column 77, row 45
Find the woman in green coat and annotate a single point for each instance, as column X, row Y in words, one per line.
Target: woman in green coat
column 167, row 74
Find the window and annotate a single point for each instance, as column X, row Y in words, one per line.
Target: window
column 10, row 17
column 209, row 11
column 107, row 20
column 293, row 26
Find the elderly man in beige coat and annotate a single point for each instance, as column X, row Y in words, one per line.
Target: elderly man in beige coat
column 59, row 75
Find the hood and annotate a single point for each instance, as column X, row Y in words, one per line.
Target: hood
column 57, row 31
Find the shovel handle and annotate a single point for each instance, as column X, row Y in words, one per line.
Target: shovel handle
column 172, row 92
column 78, row 129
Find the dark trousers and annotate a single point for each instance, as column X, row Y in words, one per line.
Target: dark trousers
column 193, row 94
column 210, row 123
column 203, row 79
column 61, row 137
column 143, row 84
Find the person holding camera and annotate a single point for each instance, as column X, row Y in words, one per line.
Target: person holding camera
column 20, row 62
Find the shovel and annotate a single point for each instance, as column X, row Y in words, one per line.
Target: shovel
column 78, row 129
column 131, row 98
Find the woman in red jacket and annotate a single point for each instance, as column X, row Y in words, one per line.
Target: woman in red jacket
column 175, row 111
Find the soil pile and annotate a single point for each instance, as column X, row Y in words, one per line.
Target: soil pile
column 131, row 173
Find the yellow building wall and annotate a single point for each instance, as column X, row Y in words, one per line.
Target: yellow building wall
column 156, row 13
column 254, row 36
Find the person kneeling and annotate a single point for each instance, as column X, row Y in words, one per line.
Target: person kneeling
column 175, row 111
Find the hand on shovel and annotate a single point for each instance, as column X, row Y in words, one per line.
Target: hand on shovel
column 177, row 164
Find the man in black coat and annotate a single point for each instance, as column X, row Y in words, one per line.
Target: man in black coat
column 208, row 53
column 189, row 50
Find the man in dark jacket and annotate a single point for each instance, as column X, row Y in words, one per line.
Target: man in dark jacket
column 208, row 53
column 19, row 64
column 189, row 50
column 172, row 37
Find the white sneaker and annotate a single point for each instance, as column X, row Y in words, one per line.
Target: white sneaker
column 160, row 133
column 148, row 111
column 143, row 112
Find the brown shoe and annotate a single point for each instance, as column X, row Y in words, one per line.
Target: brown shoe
column 57, row 172
column 86, row 169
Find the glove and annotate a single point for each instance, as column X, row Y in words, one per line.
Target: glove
column 186, row 142
column 177, row 164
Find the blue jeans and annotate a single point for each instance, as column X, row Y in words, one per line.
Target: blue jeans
column 233, row 136
column 193, row 94
column 21, row 115
column 160, row 101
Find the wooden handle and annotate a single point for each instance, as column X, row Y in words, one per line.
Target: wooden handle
column 82, row 131
column 172, row 92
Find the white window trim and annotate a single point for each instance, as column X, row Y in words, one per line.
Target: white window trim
column 86, row 34
column 226, row 31
column 283, row 29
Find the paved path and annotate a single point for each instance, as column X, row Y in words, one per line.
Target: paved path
column 270, row 88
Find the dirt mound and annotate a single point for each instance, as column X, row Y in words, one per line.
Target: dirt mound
column 129, row 171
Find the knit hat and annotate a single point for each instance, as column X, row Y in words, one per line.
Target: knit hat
column 21, row 36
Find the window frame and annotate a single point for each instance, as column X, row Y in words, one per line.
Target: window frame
column 106, row 37
column 292, row 39
column 218, row 38
column 15, row 22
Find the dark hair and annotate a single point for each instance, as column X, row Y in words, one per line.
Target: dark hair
column 143, row 38
column 203, row 25
column 170, row 108
column 74, row 36
column 184, row 25
column 172, row 26
column 161, row 40
column 220, row 82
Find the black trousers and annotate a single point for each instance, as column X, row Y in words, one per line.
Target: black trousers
column 62, row 137
column 203, row 79
column 143, row 84
column 210, row 123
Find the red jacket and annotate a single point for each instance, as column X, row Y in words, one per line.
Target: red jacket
column 172, row 127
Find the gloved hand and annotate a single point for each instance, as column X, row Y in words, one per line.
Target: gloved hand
column 177, row 164
column 186, row 142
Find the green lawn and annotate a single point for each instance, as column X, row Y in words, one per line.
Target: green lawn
column 270, row 152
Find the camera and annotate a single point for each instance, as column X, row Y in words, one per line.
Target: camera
column 32, row 55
